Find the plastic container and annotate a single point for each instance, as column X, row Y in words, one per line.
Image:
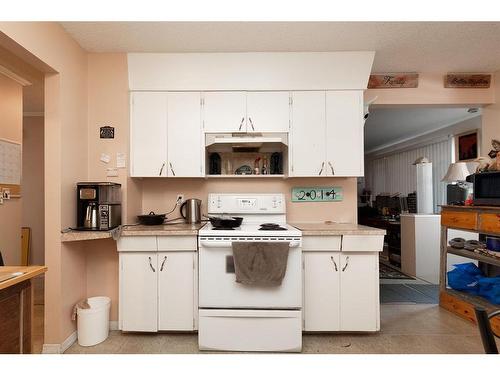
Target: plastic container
column 93, row 323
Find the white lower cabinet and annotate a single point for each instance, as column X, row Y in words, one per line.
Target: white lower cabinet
column 138, row 292
column 176, row 291
column 341, row 291
column 157, row 288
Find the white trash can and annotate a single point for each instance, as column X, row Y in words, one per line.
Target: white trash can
column 93, row 323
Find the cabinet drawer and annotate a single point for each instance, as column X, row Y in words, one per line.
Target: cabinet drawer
column 489, row 223
column 137, row 243
column 455, row 219
column 321, row 243
column 362, row 243
column 177, row 243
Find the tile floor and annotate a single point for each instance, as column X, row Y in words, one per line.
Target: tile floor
column 405, row 329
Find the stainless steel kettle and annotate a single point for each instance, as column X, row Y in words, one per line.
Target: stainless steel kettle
column 191, row 211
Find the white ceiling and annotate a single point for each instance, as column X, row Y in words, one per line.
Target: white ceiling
column 399, row 46
column 387, row 126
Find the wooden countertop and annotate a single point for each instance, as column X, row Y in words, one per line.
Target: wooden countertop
column 28, row 273
column 335, row 229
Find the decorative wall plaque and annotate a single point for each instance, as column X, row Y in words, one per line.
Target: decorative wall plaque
column 393, row 81
column 467, row 81
column 107, row 132
column 317, row 194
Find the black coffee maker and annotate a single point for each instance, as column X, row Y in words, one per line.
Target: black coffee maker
column 98, row 205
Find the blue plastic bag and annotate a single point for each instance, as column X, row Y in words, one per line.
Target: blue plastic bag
column 465, row 277
column 489, row 288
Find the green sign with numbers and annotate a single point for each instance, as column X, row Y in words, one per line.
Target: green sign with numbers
column 317, row 194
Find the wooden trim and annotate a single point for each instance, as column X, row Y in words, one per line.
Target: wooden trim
column 9, row 73
column 15, row 190
column 465, row 309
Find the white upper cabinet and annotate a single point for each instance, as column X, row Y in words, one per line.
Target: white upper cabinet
column 307, row 135
column 224, row 112
column 344, row 133
column 184, row 135
column 268, row 111
column 148, row 134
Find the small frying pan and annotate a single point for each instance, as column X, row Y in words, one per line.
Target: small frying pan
column 151, row 219
column 225, row 221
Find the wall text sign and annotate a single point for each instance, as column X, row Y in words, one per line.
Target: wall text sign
column 393, row 81
column 317, row 194
column 467, row 81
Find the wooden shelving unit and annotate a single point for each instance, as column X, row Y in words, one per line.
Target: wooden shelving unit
column 484, row 220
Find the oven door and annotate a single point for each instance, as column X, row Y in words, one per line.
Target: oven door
column 218, row 287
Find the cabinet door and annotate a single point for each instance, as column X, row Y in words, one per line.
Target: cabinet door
column 307, row 138
column 268, row 111
column 344, row 135
column 185, row 149
column 148, row 134
column 138, row 292
column 176, row 291
column 224, row 112
column 359, row 292
column 322, row 291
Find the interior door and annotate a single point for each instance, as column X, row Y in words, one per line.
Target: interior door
column 344, row 135
column 148, row 134
column 224, row 112
column 138, row 292
column 322, row 291
column 185, row 148
column 359, row 292
column 307, row 138
column 176, row 291
column 268, row 111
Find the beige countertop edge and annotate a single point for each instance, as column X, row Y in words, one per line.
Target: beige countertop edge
column 335, row 229
column 29, row 272
column 84, row 236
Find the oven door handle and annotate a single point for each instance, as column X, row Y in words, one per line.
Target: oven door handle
column 226, row 244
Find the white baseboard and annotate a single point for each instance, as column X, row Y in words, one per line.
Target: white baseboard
column 113, row 325
column 60, row 348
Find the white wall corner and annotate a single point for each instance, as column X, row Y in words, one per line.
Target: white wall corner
column 113, row 325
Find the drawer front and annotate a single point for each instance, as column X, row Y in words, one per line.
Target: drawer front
column 321, row 243
column 489, row 223
column 455, row 219
column 362, row 243
column 177, row 243
column 137, row 243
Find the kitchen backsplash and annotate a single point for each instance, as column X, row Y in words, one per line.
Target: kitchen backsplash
column 159, row 195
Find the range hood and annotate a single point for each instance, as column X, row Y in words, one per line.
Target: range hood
column 245, row 141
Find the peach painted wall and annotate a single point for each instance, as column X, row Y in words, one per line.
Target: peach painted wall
column 50, row 48
column 11, row 128
column 491, row 120
column 431, row 91
column 33, row 185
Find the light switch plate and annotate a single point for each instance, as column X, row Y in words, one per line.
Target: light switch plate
column 317, row 194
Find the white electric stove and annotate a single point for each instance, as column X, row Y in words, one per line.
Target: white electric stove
column 237, row 317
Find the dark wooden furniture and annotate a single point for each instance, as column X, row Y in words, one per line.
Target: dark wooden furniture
column 16, row 309
column 479, row 219
column 392, row 237
column 487, row 335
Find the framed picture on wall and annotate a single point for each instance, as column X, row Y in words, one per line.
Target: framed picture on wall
column 466, row 146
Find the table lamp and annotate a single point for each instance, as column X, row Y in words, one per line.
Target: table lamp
column 456, row 190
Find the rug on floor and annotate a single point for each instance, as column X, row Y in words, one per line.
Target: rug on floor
column 388, row 272
column 409, row 293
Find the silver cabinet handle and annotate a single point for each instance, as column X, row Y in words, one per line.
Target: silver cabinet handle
column 251, row 123
column 241, row 123
column 151, row 265
column 321, row 170
column 331, row 167
column 161, row 169
column 172, row 169
column 163, row 263
column 346, row 264
column 335, row 264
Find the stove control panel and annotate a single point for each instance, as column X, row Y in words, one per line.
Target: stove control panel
column 246, row 203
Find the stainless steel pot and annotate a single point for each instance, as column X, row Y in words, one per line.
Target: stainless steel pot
column 191, row 211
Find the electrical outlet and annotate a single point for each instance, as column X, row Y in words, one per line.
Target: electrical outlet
column 180, row 199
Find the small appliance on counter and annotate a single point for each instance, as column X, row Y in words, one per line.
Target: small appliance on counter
column 191, row 211
column 486, row 189
column 457, row 189
column 98, row 205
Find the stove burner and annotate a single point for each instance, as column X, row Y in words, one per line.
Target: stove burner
column 221, row 228
column 271, row 226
